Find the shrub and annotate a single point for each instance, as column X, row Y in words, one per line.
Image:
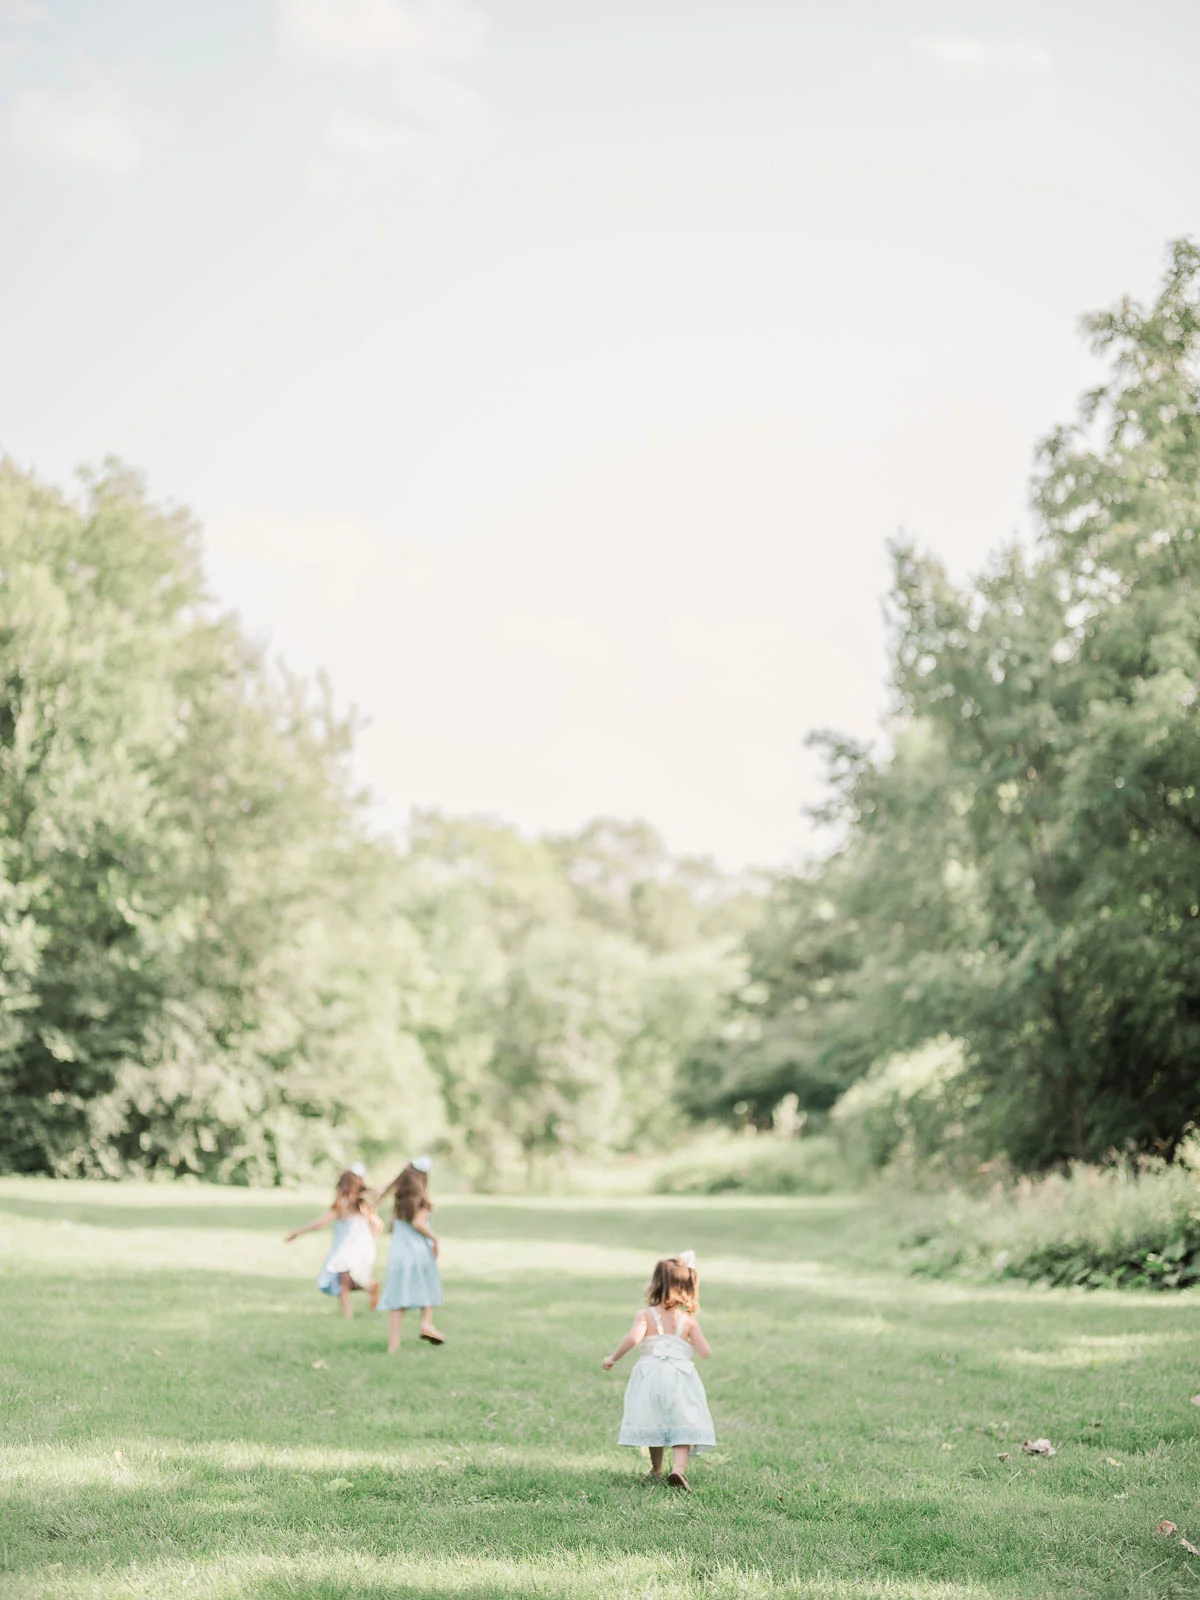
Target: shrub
column 763, row 1165
column 1125, row 1226
column 906, row 1113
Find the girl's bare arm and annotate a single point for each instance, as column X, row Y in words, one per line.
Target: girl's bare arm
column 421, row 1224
column 696, row 1339
column 634, row 1337
column 310, row 1227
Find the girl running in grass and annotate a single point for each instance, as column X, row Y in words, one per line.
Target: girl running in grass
column 350, row 1264
column 665, row 1403
column 413, row 1280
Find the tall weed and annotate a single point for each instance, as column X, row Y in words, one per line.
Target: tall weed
column 1134, row 1226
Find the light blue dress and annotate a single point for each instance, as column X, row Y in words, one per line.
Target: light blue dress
column 412, row 1273
column 352, row 1251
column 665, row 1401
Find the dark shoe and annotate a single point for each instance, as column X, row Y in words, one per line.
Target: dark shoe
column 678, row 1481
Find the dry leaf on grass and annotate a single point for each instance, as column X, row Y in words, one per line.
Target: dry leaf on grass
column 1004, row 1456
column 1196, row 1399
column 1166, row 1527
column 1189, row 1546
column 320, row 1366
column 1110, row 1461
column 1039, row 1447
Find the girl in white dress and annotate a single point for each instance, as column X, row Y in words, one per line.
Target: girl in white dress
column 350, row 1263
column 665, row 1403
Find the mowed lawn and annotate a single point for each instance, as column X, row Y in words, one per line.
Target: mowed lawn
column 183, row 1415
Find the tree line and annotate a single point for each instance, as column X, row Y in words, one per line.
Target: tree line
column 209, row 964
column 1020, row 870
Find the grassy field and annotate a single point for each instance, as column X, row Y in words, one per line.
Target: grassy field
column 183, row 1415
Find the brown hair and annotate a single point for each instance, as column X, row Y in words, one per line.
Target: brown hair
column 351, row 1193
column 674, row 1285
column 412, row 1194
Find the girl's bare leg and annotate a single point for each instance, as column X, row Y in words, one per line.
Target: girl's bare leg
column 373, row 1295
column 344, row 1294
column 395, row 1323
column 427, row 1321
column 656, row 1460
column 679, row 1458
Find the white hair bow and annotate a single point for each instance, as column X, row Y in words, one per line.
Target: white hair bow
column 359, row 1170
column 688, row 1257
column 422, row 1163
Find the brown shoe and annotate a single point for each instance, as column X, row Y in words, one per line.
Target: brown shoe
column 678, row 1481
column 651, row 1477
column 433, row 1338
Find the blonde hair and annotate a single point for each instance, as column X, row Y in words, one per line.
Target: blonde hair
column 674, row 1286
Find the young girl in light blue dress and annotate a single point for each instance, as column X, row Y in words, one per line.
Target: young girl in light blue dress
column 412, row 1274
column 665, row 1404
column 350, row 1263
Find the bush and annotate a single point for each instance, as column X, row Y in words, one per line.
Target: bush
column 1123, row 1227
column 906, row 1113
column 767, row 1164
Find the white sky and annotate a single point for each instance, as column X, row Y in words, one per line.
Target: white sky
column 554, row 375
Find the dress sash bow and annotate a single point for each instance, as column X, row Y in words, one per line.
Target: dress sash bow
column 668, row 1348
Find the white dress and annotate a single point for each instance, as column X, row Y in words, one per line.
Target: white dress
column 353, row 1251
column 665, row 1401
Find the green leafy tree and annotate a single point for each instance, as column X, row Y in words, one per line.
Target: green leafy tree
column 858, row 957
column 563, row 995
column 200, row 968
column 1021, row 871
column 1066, row 683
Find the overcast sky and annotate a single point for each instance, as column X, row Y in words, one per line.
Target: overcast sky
column 554, row 374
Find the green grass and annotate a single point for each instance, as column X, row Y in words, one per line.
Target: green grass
column 166, row 1432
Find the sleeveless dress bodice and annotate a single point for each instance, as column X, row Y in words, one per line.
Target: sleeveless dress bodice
column 666, row 1347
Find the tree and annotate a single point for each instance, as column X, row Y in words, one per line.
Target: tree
column 199, row 965
column 1021, row 870
column 560, row 1003
column 1066, row 686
